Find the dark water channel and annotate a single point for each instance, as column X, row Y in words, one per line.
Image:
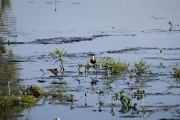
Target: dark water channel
column 125, row 29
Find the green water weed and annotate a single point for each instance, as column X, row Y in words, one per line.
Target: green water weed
column 59, row 55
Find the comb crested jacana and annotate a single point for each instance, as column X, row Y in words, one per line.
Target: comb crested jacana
column 53, row 71
column 57, row 118
column 94, row 60
column 93, row 83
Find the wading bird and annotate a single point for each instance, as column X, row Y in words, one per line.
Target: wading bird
column 57, row 118
column 85, row 94
column 94, row 60
column 53, row 71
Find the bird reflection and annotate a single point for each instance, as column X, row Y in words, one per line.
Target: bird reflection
column 161, row 64
column 85, row 99
column 94, row 82
column 161, row 55
column 55, row 5
column 160, row 59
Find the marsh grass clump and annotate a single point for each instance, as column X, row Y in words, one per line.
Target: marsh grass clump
column 9, row 100
column 2, row 49
column 114, row 66
column 176, row 72
column 126, row 102
column 12, row 110
column 141, row 67
column 11, row 105
column 112, row 109
column 119, row 67
column 54, row 92
column 80, row 65
column 60, row 94
column 36, row 91
column 59, row 55
column 107, row 63
column 28, row 99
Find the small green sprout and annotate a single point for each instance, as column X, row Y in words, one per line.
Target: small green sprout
column 176, row 72
column 126, row 102
column 59, row 55
column 112, row 105
column 121, row 92
column 101, row 103
column 100, row 92
column 72, row 98
column 170, row 25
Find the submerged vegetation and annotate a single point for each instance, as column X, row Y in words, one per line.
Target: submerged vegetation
column 29, row 98
column 6, row 67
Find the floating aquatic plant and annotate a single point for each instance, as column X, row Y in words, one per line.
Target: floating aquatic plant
column 119, row 67
column 36, row 91
column 9, row 100
column 130, row 77
column 54, row 92
column 107, row 63
column 108, row 79
column 100, row 93
column 61, row 92
column 139, row 94
column 80, row 65
column 59, row 55
column 112, row 109
column 112, row 105
column 72, row 98
column 114, row 66
column 2, row 49
column 28, row 99
column 126, row 101
column 141, row 67
column 176, row 72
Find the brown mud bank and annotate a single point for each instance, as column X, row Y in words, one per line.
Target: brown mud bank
column 58, row 40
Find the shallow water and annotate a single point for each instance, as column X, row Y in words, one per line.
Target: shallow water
column 128, row 24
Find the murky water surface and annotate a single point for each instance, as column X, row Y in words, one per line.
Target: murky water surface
column 139, row 29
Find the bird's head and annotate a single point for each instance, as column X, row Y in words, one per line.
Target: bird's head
column 93, row 54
